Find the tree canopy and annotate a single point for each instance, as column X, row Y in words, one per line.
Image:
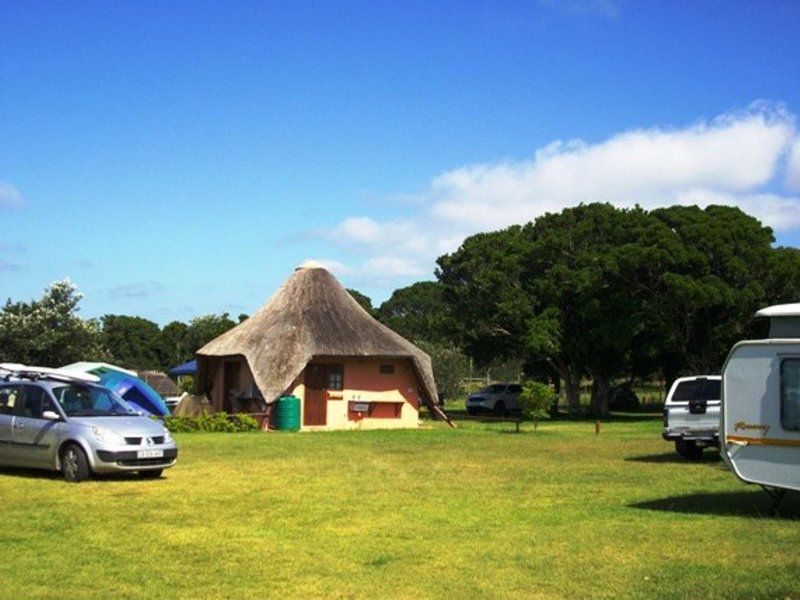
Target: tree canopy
column 48, row 332
column 602, row 292
column 419, row 312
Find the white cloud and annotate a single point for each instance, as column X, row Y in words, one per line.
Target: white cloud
column 10, row 196
column 793, row 167
column 735, row 159
column 398, row 234
column 393, row 266
column 334, row 266
column 734, row 153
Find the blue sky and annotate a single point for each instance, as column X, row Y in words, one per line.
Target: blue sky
column 180, row 158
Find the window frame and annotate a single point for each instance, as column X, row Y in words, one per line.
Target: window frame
column 47, row 402
column 19, row 390
column 784, row 360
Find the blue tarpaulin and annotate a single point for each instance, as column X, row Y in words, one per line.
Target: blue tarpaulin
column 135, row 391
column 187, row 368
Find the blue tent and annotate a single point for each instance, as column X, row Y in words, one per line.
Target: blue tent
column 134, row 391
column 187, row 368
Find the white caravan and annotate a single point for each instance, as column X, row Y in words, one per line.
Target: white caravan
column 760, row 437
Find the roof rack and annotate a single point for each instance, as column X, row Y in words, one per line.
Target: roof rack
column 19, row 371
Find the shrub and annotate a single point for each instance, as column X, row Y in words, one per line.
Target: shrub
column 186, row 384
column 219, row 422
column 536, row 400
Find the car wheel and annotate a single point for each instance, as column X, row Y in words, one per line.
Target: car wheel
column 151, row 473
column 688, row 449
column 500, row 409
column 472, row 411
column 74, row 464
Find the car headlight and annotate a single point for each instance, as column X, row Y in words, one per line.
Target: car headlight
column 105, row 436
column 167, row 436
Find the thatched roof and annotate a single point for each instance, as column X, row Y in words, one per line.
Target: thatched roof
column 159, row 381
column 311, row 316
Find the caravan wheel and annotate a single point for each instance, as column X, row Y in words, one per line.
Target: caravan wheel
column 688, row 449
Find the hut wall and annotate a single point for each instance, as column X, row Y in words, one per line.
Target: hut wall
column 389, row 385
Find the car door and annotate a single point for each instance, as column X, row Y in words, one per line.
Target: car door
column 8, row 397
column 33, row 437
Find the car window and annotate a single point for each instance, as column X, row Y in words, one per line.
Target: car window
column 32, row 403
column 90, row 401
column 515, row 389
column 8, row 398
column 497, row 388
column 697, row 389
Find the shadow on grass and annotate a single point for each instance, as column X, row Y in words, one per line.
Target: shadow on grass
column 29, row 473
column 733, row 504
column 674, row 458
column 44, row 474
column 460, row 414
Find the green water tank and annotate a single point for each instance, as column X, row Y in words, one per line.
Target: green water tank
column 287, row 413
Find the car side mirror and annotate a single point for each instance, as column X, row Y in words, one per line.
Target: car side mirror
column 51, row 415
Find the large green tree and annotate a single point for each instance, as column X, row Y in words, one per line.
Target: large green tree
column 419, row 312
column 133, row 342
column 48, row 332
column 604, row 292
column 174, row 345
column 364, row 301
column 705, row 304
column 592, row 271
column 202, row 330
column 484, row 282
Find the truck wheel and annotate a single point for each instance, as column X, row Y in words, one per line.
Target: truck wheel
column 500, row 409
column 688, row 449
column 74, row 465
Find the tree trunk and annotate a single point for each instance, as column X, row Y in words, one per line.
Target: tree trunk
column 572, row 385
column 601, row 390
column 573, row 389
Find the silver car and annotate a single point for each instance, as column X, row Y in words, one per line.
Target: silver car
column 78, row 428
column 498, row 398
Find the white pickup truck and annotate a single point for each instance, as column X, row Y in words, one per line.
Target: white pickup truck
column 692, row 414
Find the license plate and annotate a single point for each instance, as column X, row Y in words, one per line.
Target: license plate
column 149, row 454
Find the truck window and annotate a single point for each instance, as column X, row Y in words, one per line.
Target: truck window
column 699, row 389
column 790, row 394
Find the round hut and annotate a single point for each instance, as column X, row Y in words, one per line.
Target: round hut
column 312, row 340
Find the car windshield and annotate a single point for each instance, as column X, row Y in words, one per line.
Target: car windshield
column 698, row 389
column 494, row 389
column 91, row 401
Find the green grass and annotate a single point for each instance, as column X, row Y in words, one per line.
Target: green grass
column 476, row 511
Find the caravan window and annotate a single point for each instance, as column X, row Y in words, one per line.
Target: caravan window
column 790, row 394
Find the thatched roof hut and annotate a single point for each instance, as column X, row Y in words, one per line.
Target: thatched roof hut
column 310, row 317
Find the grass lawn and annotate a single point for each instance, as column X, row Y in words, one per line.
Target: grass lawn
column 476, row 511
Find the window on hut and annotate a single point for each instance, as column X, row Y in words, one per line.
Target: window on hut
column 336, row 378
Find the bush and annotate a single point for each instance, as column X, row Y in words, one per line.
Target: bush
column 536, row 400
column 186, row 384
column 219, row 422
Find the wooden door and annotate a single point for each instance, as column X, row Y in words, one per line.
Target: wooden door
column 319, row 379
